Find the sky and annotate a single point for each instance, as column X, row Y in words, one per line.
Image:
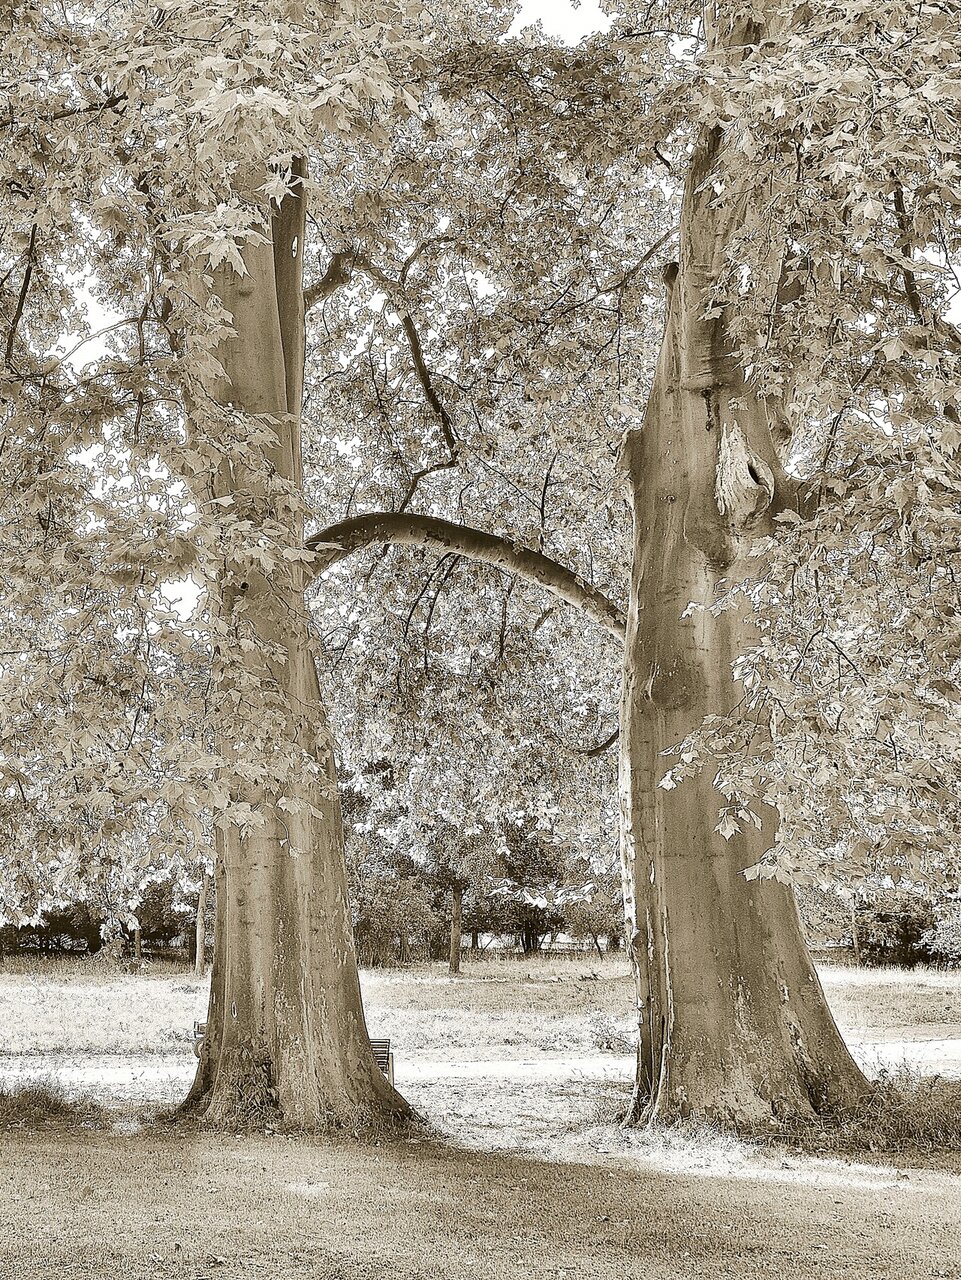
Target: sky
column 561, row 18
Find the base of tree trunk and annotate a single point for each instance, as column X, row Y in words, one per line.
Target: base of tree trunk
column 241, row 1091
column 286, row 1043
column 735, row 1027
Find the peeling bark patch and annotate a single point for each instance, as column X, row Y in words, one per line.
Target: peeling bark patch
column 710, row 408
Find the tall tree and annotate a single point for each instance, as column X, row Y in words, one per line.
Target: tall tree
column 734, row 1022
column 285, row 1016
column 195, row 405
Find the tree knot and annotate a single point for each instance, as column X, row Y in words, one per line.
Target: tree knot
column 744, row 483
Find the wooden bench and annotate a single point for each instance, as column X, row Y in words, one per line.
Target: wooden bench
column 380, row 1049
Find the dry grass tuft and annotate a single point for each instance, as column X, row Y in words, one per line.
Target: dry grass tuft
column 37, row 1102
column 905, row 1112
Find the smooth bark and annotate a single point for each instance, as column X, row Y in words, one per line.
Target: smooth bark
column 734, row 1024
column 399, row 529
column 200, row 926
column 286, row 1036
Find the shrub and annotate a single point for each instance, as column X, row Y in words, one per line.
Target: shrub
column 893, row 930
column 36, row 1102
column 943, row 939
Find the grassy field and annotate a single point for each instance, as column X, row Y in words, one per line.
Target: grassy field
column 868, row 999
column 562, row 1004
column 522, row 1069
column 494, row 1008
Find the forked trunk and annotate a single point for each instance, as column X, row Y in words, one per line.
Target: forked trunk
column 734, row 1024
column 456, row 924
column 286, row 1038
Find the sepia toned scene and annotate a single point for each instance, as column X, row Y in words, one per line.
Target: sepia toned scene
column 480, row 639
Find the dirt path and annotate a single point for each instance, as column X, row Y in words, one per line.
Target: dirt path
column 84, row 1207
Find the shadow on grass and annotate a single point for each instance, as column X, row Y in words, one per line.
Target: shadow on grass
column 906, row 1113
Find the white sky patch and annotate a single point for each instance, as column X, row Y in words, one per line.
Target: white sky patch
column 561, row 18
column 78, row 349
column 182, row 594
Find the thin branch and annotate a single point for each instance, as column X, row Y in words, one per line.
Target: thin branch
column 338, row 273
column 615, row 286
column 22, row 298
column 418, row 476
column 105, row 105
column 430, row 392
column 593, row 752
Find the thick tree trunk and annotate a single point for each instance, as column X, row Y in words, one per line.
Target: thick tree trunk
column 734, row 1024
column 475, row 943
column 200, row 927
column 286, row 1037
column 456, row 923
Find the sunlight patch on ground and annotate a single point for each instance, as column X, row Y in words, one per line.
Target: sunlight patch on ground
column 309, row 1190
column 705, row 1154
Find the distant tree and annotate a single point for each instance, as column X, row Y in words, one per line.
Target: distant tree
column 600, row 914
column 893, row 927
column 943, row 939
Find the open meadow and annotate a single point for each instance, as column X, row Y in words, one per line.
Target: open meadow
column 521, row 1070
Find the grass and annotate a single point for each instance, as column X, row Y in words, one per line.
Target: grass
column 87, row 1010
column 895, row 997
column 495, row 1008
column 905, row 1113
column 76, row 1008
column 40, row 1102
column 498, row 1010
column 87, row 1192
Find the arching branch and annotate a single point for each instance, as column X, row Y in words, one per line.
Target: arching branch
column 379, row 527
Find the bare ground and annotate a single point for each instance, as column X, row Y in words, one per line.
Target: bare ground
column 86, row 1207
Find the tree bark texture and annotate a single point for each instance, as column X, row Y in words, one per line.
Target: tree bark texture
column 286, row 1035
column 456, row 925
column 735, row 1027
